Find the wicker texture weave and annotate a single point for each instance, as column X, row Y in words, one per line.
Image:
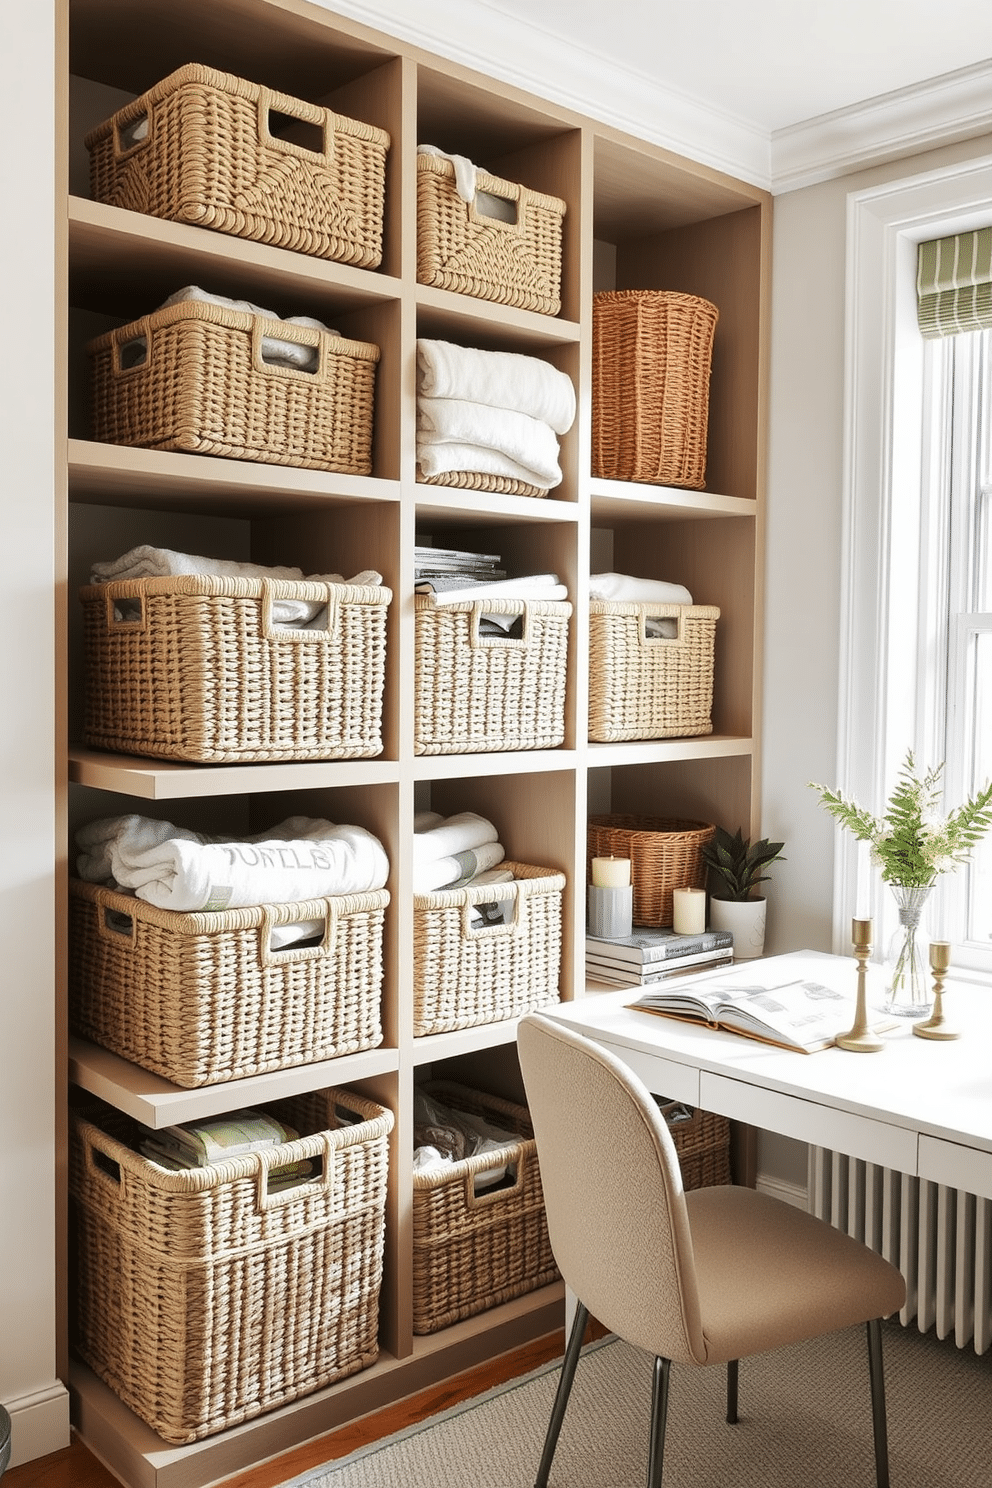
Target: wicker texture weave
column 702, row 1143
column 474, row 480
column 665, row 853
column 192, row 378
column 651, row 386
column 195, row 670
column 473, row 1251
column 478, row 693
column 203, row 1299
column 514, row 263
column 642, row 687
column 210, row 158
column 200, row 998
column 464, row 976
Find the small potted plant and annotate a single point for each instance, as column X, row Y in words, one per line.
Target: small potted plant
column 736, row 867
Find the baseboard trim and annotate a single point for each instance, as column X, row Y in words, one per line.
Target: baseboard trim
column 39, row 1423
column 778, row 1188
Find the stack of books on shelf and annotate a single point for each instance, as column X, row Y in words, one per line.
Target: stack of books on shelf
column 437, row 570
column 648, row 956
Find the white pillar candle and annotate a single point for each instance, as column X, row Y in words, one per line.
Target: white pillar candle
column 611, row 873
column 688, row 911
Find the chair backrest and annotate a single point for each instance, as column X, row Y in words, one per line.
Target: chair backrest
column 613, row 1191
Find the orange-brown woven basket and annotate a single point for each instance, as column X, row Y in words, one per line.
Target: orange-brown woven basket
column 702, row 1141
column 652, row 352
column 665, row 853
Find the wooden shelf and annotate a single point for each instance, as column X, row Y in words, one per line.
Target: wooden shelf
column 620, row 501
column 655, row 751
column 165, row 780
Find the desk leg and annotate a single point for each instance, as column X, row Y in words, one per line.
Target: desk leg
column 743, row 1154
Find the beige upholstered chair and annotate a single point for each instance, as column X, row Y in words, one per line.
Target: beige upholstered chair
column 705, row 1277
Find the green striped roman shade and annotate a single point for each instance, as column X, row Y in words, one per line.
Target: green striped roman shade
column 954, row 284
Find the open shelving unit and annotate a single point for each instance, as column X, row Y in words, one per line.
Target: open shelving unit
column 637, row 216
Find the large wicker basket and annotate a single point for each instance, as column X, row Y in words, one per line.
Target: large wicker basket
column 194, row 377
column 201, row 998
column 460, row 248
column 205, row 1297
column 665, row 853
column 489, row 693
column 646, row 687
column 702, row 1141
column 651, row 385
column 472, row 1251
column 195, row 669
column 465, row 975
column 214, row 150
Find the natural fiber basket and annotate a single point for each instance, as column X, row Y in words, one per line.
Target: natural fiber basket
column 194, row 377
column 201, row 998
column 651, row 386
column 647, row 687
column 479, row 693
column 665, row 853
column 473, row 480
column 472, row 1251
column 462, row 248
column 210, row 149
column 702, row 1141
column 195, row 669
column 465, row 974
column 205, row 1297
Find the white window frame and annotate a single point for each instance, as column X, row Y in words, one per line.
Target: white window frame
column 879, row 710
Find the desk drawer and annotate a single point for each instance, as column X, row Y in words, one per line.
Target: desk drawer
column 809, row 1121
column 662, row 1076
column 966, row 1168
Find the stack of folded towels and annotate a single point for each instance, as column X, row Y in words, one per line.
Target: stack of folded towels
column 443, row 1136
column 458, row 852
column 205, row 1143
column 625, row 589
column 147, row 562
column 174, row 868
column 490, row 413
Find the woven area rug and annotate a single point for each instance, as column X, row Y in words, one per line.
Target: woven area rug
column 805, row 1422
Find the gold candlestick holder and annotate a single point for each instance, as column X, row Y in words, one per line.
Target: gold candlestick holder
column 937, row 1026
column 861, row 1038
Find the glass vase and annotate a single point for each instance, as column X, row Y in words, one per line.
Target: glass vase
column 908, row 980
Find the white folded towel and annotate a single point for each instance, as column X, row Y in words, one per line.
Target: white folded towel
column 458, row 870
column 614, row 587
column 284, row 353
column 147, row 562
column 528, row 441
column 441, row 459
column 173, row 868
column 531, row 587
column 501, row 379
column 460, row 833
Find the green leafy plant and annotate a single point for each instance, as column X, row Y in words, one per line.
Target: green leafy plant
column 735, row 863
column 911, row 843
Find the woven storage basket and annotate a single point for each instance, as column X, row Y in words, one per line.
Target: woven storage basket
column 203, row 1298
column 644, row 687
column 465, row 975
column 702, row 1141
column 195, row 669
column 201, row 998
column 665, row 853
column 473, row 480
column 193, row 377
column 472, row 1251
column 651, row 386
column 461, row 249
column 478, row 693
column 211, row 153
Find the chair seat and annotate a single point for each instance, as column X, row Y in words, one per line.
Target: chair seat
column 770, row 1274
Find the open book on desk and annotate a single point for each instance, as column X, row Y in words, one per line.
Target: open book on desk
column 794, row 1012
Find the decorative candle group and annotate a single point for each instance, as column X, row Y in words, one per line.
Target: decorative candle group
column 688, row 911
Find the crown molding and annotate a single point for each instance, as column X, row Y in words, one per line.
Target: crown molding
column 940, row 111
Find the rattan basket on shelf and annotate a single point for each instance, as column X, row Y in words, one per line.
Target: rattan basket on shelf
column 702, row 1141
column 474, row 480
column 646, row 687
column 652, row 351
column 665, row 853
column 217, row 151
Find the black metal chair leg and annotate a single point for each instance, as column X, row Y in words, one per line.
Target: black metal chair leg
column 732, row 1373
column 565, row 1379
column 874, row 1327
column 659, row 1416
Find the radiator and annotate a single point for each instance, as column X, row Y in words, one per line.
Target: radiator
column 939, row 1237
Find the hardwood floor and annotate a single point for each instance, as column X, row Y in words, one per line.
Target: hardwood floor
column 76, row 1467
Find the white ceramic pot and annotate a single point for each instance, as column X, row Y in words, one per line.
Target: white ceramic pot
column 745, row 919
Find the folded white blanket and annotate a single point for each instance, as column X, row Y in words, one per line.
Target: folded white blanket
column 147, row 562
column 441, row 459
column 459, row 869
column 174, row 868
column 460, row 833
column 283, row 353
column 528, row 441
column 614, row 587
column 501, row 379
column 532, row 586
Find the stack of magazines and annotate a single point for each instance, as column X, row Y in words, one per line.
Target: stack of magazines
column 648, row 956
column 439, row 569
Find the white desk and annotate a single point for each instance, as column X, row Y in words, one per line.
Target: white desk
column 918, row 1106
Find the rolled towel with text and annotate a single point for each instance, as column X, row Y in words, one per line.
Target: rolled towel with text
column 501, row 379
